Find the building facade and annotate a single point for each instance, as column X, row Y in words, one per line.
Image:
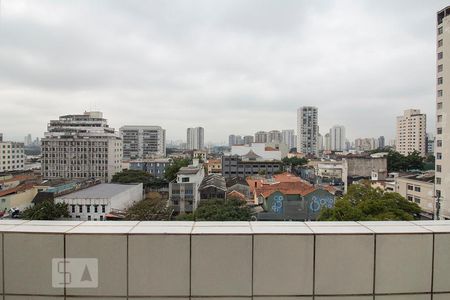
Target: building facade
column 337, row 136
column 195, row 138
column 288, row 138
column 143, row 141
column 12, row 156
column 156, row 167
column 261, row 137
column 81, row 146
column 418, row 188
column 365, row 144
column 442, row 141
column 184, row 195
column 243, row 166
column 411, row 132
column 307, row 130
column 274, row 136
column 248, row 139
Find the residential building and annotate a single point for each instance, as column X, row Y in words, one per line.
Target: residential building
column 81, row 146
column 248, row 165
column 28, row 140
column 411, row 132
column 143, row 142
column 307, row 130
column 183, row 191
column 430, row 143
column 12, row 156
column 261, row 137
column 327, row 142
column 248, row 139
column 195, row 138
column 231, row 140
column 154, row 166
column 288, row 138
column 442, row 142
column 274, row 136
column 362, row 167
column 239, row 140
column 213, row 186
column 365, row 144
column 214, row 166
column 381, row 142
column 320, row 143
column 337, row 137
column 418, row 188
column 96, row 203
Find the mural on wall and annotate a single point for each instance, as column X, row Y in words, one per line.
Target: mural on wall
column 318, row 202
column 277, row 206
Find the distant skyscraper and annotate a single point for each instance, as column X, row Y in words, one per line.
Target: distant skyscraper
column 28, row 140
column 231, row 140
column 195, row 138
column 248, row 139
column 337, row 136
column 274, row 136
column 307, row 130
column 143, row 141
column 81, row 147
column 261, row 137
column 288, row 138
column 239, row 140
column 381, row 142
column 411, row 132
column 320, row 142
column 365, row 144
column 327, row 142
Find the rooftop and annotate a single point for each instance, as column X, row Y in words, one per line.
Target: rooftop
column 104, row 190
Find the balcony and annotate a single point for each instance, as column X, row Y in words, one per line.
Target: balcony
column 229, row 260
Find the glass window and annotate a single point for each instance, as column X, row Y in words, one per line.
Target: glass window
column 440, row 55
column 440, row 68
column 438, row 168
column 440, row 80
column 440, row 30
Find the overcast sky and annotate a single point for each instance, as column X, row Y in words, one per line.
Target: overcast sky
column 229, row 66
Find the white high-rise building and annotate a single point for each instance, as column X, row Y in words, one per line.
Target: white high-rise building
column 143, row 141
column 411, row 132
column 274, row 136
column 288, row 138
column 12, row 157
column 307, row 130
column 320, row 142
column 337, row 136
column 195, row 138
column 81, row 147
column 261, row 137
column 327, row 142
column 442, row 139
column 231, row 140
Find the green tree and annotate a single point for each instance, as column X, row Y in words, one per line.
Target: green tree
column 219, row 210
column 139, row 176
column 294, row 161
column 172, row 170
column 149, row 209
column 397, row 162
column 364, row 203
column 46, row 210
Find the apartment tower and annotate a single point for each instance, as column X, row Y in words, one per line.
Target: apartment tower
column 411, row 132
column 81, row 147
column 337, row 138
column 442, row 141
column 143, row 141
column 307, row 130
column 195, row 138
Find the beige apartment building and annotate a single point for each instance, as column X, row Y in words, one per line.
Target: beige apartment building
column 442, row 142
column 418, row 188
column 411, row 132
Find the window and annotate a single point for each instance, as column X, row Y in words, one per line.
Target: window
column 440, row 43
column 410, row 198
column 438, row 168
column 439, row 105
column 89, row 218
column 439, row 143
column 440, row 68
column 439, row 118
column 440, row 30
column 103, row 208
column 438, row 155
column 417, row 199
column 417, row 189
column 438, row 180
column 439, row 93
column 440, row 55
column 410, row 187
column 73, row 208
column 80, row 208
column 440, row 80
column 185, row 179
column 96, row 208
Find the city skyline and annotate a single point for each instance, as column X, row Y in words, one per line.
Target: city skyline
column 253, row 76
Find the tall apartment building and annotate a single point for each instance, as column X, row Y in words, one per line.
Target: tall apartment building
column 381, row 142
column 81, row 146
column 143, row 141
column 365, row 144
column 274, row 136
column 337, row 138
column 307, row 130
column 442, row 142
column 195, row 138
column 261, row 137
column 327, row 142
column 411, row 132
column 12, row 157
column 231, row 140
column 288, row 138
column 248, row 139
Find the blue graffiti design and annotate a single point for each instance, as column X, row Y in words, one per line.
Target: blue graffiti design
column 278, row 204
column 317, row 203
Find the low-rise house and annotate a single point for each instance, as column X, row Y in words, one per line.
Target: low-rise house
column 214, row 166
column 156, row 167
column 213, row 187
column 418, row 188
column 184, row 195
column 98, row 202
column 238, row 186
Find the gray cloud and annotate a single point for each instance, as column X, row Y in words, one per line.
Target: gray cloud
column 230, row 66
